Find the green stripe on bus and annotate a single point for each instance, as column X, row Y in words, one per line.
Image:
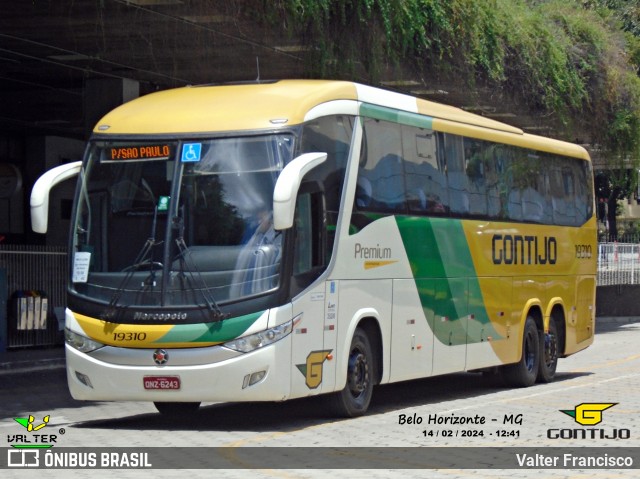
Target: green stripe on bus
column 396, row 116
column 216, row 332
column 443, row 269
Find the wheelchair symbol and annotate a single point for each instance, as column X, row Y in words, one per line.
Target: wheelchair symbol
column 191, row 152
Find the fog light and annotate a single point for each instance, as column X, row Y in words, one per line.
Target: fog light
column 257, row 377
column 251, row 379
column 84, row 379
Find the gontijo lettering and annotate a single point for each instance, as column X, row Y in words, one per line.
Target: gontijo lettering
column 517, row 249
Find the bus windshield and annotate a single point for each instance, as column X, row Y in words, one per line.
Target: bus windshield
column 185, row 223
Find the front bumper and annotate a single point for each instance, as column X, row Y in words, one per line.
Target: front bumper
column 95, row 379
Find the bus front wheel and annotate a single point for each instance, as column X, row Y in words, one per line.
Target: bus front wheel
column 354, row 399
column 525, row 372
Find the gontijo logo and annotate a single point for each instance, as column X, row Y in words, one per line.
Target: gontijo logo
column 588, row 414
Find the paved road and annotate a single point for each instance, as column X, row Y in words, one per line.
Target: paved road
column 607, row 372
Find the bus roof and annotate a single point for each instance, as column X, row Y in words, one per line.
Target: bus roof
column 256, row 106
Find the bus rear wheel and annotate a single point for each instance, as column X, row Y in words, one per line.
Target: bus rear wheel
column 525, row 372
column 176, row 409
column 354, row 399
column 548, row 353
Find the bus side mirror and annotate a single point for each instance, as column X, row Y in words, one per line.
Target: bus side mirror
column 41, row 189
column 287, row 185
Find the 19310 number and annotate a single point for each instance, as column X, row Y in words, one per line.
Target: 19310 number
column 583, row 251
column 129, row 336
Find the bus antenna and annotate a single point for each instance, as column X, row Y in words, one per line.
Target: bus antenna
column 258, row 68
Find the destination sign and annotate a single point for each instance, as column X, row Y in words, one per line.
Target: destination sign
column 139, row 152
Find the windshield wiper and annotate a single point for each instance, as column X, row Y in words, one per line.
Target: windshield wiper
column 143, row 259
column 195, row 276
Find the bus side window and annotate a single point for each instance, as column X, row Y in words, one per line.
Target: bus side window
column 425, row 176
column 456, row 175
column 477, row 162
column 383, row 167
column 331, row 135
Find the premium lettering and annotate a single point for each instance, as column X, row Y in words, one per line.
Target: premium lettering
column 373, row 252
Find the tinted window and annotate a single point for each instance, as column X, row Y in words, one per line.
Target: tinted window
column 416, row 170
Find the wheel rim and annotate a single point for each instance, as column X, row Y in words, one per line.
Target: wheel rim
column 550, row 349
column 358, row 373
column 530, row 352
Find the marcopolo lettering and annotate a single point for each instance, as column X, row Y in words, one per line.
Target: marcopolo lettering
column 173, row 316
column 518, row 249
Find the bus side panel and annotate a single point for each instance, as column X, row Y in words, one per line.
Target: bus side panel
column 580, row 329
column 489, row 342
column 450, row 346
column 412, row 330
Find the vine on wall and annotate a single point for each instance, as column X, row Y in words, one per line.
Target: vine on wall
column 573, row 60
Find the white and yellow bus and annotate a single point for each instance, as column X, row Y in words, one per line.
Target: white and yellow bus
column 270, row 241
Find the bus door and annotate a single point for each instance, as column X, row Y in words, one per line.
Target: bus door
column 308, row 354
column 316, row 306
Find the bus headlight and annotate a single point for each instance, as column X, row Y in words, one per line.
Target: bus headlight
column 80, row 342
column 263, row 338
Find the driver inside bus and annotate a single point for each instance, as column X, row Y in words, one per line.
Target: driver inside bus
column 258, row 262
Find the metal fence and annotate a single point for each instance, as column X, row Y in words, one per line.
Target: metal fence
column 36, row 277
column 618, row 263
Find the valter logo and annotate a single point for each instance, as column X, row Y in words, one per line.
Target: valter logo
column 35, row 439
column 25, row 450
column 588, row 414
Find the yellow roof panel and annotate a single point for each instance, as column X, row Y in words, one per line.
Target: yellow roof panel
column 452, row 113
column 201, row 109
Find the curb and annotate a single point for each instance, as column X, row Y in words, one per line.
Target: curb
column 618, row 319
column 15, row 367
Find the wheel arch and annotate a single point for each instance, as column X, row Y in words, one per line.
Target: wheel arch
column 556, row 313
column 532, row 308
column 368, row 319
column 371, row 327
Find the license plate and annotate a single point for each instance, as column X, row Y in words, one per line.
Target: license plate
column 161, row 382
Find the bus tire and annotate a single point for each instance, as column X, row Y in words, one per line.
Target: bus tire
column 176, row 409
column 525, row 372
column 354, row 399
column 548, row 353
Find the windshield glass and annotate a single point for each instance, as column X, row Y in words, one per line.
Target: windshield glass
column 178, row 223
